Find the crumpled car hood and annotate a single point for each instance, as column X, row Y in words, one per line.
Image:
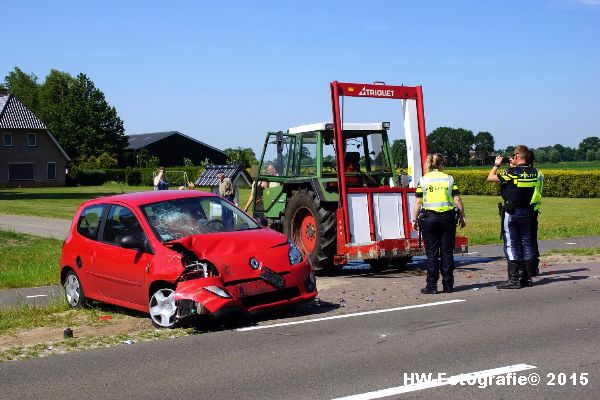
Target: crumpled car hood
column 231, row 252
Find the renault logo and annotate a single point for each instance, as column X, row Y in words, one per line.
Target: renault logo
column 254, row 263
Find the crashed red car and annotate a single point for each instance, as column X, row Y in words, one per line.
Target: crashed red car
column 175, row 254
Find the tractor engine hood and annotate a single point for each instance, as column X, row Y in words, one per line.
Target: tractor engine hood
column 231, row 252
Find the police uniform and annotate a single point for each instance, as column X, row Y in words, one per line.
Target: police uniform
column 517, row 188
column 438, row 226
column 536, row 204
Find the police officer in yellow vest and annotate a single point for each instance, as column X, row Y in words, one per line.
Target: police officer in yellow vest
column 435, row 215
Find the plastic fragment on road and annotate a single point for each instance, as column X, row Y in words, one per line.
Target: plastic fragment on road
column 342, row 303
column 105, row 317
column 476, row 288
column 129, row 341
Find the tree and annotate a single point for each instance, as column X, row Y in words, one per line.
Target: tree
column 91, row 125
column 554, row 156
column 244, row 157
column 483, row 145
column 399, row 153
column 598, row 154
column 143, row 159
column 453, row 143
column 24, row 87
column 52, row 94
column 590, row 155
column 589, row 143
column 540, row 156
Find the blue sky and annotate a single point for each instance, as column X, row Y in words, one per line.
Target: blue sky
column 226, row 72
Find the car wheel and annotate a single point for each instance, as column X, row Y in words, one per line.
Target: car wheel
column 162, row 308
column 73, row 290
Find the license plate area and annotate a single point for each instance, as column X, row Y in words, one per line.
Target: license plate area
column 272, row 277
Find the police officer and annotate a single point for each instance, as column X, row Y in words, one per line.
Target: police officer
column 435, row 215
column 536, row 204
column 517, row 185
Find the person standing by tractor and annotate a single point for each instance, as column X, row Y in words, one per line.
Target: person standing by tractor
column 438, row 208
column 517, row 185
column 226, row 191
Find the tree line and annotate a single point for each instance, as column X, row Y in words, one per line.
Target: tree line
column 461, row 147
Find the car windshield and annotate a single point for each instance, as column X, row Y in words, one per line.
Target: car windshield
column 174, row 219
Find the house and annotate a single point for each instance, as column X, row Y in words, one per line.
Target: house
column 238, row 175
column 171, row 148
column 29, row 154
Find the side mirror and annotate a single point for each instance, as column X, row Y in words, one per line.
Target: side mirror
column 130, row 242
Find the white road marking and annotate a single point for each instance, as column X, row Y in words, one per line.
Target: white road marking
column 37, row 295
column 306, row 321
column 571, row 243
column 473, row 252
column 452, row 380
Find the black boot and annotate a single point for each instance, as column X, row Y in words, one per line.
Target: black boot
column 527, row 272
column 513, row 277
column 536, row 268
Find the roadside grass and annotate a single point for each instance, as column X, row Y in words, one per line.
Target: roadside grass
column 54, row 315
column 90, row 342
column 27, row 261
column 583, row 251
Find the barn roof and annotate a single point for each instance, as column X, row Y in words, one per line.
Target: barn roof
column 231, row 171
column 141, row 140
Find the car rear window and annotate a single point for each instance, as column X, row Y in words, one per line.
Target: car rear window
column 89, row 220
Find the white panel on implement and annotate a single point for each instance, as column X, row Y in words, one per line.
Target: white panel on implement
column 389, row 220
column 413, row 145
column 358, row 213
column 411, row 204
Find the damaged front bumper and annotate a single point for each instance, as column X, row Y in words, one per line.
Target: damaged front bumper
column 199, row 297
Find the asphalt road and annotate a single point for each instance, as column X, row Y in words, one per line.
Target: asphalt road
column 547, row 329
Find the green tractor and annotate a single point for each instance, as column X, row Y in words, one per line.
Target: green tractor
column 297, row 185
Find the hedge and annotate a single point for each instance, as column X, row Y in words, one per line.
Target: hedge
column 131, row 176
column 557, row 183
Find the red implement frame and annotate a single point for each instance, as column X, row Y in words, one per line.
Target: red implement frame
column 387, row 247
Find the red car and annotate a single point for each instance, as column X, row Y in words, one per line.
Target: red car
column 175, row 254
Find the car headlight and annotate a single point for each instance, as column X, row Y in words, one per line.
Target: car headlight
column 218, row 291
column 294, row 254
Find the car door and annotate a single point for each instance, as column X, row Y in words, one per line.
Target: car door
column 120, row 272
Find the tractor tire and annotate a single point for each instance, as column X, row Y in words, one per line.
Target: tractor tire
column 312, row 227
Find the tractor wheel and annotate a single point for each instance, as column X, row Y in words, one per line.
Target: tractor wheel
column 311, row 226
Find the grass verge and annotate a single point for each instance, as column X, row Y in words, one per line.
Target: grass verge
column 27, row 261
column 584, row 251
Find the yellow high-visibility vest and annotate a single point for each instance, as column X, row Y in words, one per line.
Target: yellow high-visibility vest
column 437, row 190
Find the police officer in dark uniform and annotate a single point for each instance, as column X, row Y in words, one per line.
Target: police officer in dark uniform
column 435, row 215
column 517, row 185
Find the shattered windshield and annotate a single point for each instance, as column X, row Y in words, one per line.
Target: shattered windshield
column 174, row 219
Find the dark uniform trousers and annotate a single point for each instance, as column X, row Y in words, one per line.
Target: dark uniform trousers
column 439, row 232
column 517, row 236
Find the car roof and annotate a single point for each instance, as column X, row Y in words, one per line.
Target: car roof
column 141, row 198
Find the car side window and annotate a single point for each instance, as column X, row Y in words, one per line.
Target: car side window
column 89, row 221
column 120, row 222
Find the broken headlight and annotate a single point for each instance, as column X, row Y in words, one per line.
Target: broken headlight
column 294, row 254
column 218, row 291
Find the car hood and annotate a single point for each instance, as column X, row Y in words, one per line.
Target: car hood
column 231, row 252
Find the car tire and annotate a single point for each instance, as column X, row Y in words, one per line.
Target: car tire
column 161, row 308
column 73, row 290
column 310, row 224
